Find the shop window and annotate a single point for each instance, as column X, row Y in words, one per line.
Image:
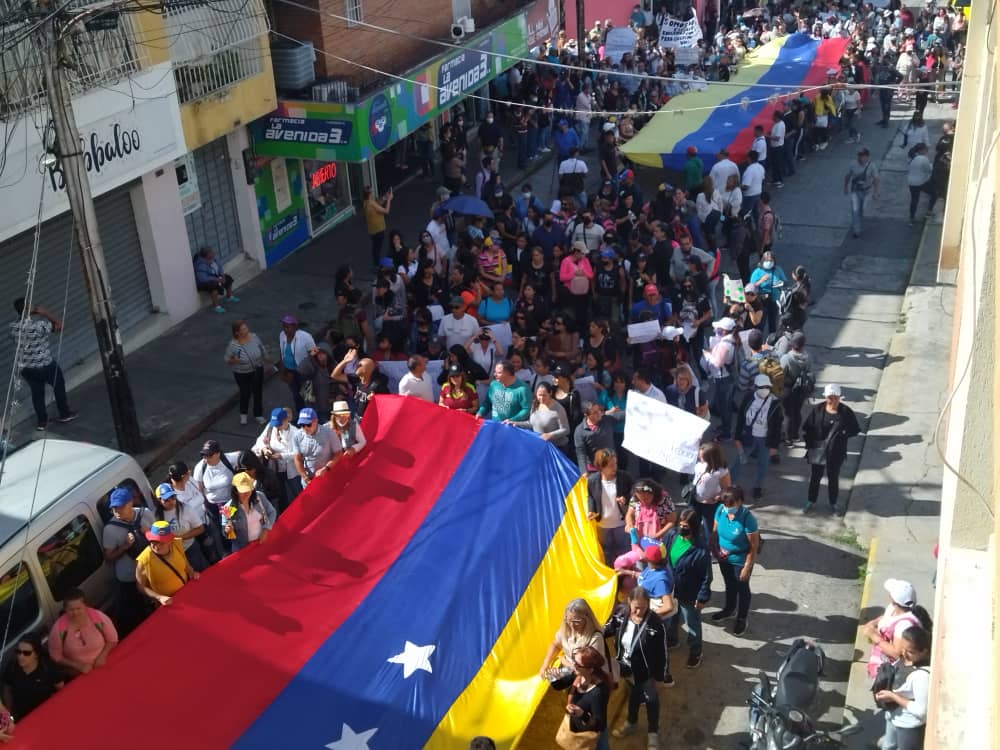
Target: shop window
column 352, row 9
column 18, row 601
column 70, row 556
column 138, row 500
column 329, row 192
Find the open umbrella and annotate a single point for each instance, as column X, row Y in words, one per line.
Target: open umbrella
column 469, row 205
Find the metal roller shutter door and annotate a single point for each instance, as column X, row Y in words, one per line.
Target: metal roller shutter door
column 215, row 223
column 129, row 284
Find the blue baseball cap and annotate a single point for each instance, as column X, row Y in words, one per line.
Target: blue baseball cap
column 385, row 263
column 277, row 417
column 306, row 416
column 607, row 253
column 164, row 491
column 119, row 496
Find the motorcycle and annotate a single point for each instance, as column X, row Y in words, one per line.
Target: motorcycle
column 778, row 713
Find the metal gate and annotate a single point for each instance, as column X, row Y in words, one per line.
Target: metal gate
column 56, row 252
column 215, row 223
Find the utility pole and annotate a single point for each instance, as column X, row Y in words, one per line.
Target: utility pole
column 581, row 33
column 67, row 150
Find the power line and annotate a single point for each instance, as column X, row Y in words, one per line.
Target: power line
column 626, row 74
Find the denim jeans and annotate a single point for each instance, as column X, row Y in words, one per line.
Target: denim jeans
column 789, row 153
column 756, row 449
column 582, row 132
column 857, row 210
column 644, row 692
column 719, row 404
column 39, row 377
column 691, row 616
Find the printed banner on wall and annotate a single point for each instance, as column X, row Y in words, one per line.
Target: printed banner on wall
column 677, row 33
column 281, row 207
column 331, row 131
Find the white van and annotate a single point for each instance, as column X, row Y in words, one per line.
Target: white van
column 53, row 507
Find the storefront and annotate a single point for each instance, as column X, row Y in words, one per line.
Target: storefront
column 208, row 196
column 128, row 144
column 344, row 148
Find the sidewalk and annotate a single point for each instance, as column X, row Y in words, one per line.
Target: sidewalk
column 179, row 381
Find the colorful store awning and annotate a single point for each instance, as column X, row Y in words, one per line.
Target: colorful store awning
column 701, row 119
column 402, row 602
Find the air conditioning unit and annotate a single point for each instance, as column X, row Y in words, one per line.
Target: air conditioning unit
column 461, row 27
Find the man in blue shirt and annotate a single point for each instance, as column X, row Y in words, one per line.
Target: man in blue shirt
column 565, row 139
column 527, row 199
column 548, row 235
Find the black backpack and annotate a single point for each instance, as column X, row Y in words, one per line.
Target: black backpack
column 890, row 676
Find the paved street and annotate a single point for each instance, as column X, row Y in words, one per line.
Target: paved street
column 811, row 573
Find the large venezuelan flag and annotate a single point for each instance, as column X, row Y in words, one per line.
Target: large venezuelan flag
column 404, row 601
column 699, row 119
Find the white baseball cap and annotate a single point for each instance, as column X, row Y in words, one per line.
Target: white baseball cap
column 902, row 592
column 831, row 390
column 726, row 324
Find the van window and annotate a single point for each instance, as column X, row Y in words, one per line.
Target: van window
column 18, row 601
column 70, row 556
column 138, row 500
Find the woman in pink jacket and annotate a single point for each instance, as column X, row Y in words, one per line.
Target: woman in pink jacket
column 577, row 276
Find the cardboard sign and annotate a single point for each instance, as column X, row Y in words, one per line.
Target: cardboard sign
column 663, row 434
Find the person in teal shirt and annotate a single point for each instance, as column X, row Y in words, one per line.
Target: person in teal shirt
column 614, row 398
column 736, row 540
column 508, row 398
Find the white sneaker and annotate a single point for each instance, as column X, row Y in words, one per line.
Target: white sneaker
column 243, row 418
column 259, row 420
column 653, row 742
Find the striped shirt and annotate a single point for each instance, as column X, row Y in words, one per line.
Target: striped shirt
column 34, row 336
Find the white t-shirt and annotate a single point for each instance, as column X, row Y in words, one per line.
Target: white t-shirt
column 411, row 385
column 628, row 636
column 708, row 484
column 778, row 134
column 182, row 521
column 760, row 146
column 753, row 180
column 573, row 165
column 721, row 171
column 457, row 331
column 758, row 411
column 254, row 522
column 485, row 359
column 611, row 516
column 439, row 233
column 217, row 480
column 851, row 99
column 656, row 393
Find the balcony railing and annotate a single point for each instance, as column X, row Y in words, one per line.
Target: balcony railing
column 215, row 45
column 97, row 57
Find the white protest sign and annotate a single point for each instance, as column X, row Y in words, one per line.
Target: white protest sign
column 745, row 342
column 641, row 333
column 687, row 56
column 733, row 289
column 663, row 434
column 677, row 33
column 395, row 370
column 617, row 43
column 585, row 387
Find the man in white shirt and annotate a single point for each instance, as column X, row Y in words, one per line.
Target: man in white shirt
column 776, row 145
column 442, row 248
column 459, row 326
column 752, row 184
column 573, row 177
column 414, row 383
column 722, row 169
column 641, row 383
column 759, row 144
column 295, row 346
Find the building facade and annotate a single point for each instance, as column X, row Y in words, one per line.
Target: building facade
column 346, row 128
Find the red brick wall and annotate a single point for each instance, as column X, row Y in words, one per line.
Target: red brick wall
column 390, row 52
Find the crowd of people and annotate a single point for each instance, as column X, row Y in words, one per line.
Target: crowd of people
column 521, row 316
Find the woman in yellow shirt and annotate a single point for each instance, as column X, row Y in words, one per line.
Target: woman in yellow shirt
column 375, row 212
column 824, row 108
column 162, row 569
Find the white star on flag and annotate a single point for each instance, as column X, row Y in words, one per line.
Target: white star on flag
column 710, row 138
column 414, row 657
column 351, row 740
column 727, row 124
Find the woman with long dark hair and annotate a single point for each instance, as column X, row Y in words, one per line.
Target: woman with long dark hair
column 31, row 678
column 586, row 720
column 691, row 565
column 906, row 700
column 547, row 418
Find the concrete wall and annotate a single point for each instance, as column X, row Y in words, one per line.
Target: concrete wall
column 246, row 198
column 243, row 102
column 165, row 251
column 391, row 52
